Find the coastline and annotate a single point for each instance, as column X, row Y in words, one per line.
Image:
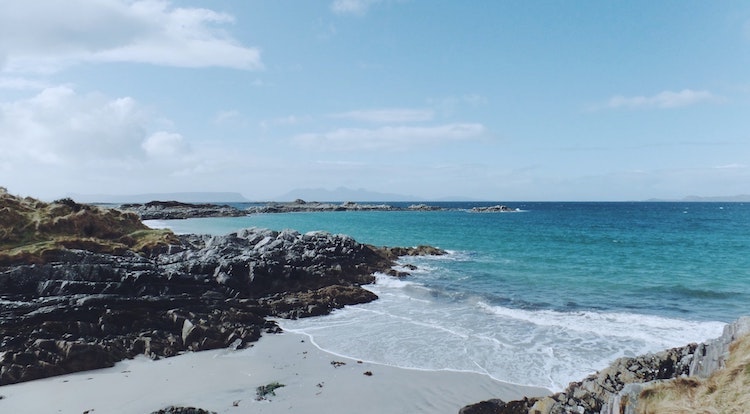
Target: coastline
column 216, row 380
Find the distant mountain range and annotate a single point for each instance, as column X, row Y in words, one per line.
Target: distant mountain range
column 342, row 194
column 188, row 197
column 725, row 199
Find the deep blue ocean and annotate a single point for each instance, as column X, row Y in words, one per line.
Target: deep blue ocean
column 541, row 297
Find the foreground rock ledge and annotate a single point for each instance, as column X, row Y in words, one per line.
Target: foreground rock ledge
column 81, row 310
column 618, row 388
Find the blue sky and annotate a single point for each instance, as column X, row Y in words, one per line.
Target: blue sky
column 492, row 100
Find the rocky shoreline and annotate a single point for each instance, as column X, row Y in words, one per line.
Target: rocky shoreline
column 66, row 309
column 618, row 388
column 83, row 310
column 83, row 288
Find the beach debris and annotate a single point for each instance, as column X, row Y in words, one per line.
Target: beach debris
column 236, row 403
column 368, row 373
column 337, row 364
column 264, row 391
column 320, row 384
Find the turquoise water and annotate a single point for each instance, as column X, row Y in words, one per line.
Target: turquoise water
column 539, row 297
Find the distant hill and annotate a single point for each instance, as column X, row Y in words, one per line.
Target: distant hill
column 741, row 197
column 342, row 194
column 188, row 197
column 744, row 198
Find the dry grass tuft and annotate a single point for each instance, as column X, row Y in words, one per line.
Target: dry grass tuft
column 726, row 391
column 31, row 231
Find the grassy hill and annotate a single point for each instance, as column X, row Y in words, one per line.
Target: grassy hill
column 31, row 231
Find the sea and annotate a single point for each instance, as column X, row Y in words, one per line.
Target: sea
column 542, row 296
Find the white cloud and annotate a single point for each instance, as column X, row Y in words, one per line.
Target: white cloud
column 15, row 83
column 356, row 7
column 59, row 126
column 47, row 35
column 164, row 144
column 388, row 138
column 384, row 116
column 662, row 100
column 59, row 140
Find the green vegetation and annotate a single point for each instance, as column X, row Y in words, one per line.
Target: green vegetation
column 726, row 391
column 265, row 390
column 31, row 231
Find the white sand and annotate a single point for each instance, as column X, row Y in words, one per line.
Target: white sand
column 225, row 381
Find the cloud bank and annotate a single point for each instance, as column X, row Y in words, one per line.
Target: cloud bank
column 383, row 116
column 388, row 138
column 45, row 36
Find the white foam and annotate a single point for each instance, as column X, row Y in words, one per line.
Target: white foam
column 156, row 224
column 649, row 328
column 408, row 328
column 386, row 281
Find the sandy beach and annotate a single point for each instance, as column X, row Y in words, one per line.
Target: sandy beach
column 225, row 381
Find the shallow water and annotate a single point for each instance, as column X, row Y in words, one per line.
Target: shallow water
column 539, row 297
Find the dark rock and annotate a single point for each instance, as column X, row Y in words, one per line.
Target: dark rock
column 394, row 253
column 424, row 207
column 170, row 210
column 83, row 310
column 496, row 406
column 183, row 410
column 494, row 209
column 493, row 406
column 301, row 206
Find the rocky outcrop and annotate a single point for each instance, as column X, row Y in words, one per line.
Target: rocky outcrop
column 424, row 207
column 706, row 359
column 395, row 252
column 616, row 389
column 497, row 406
column 494, row 209
column 32, row 231
column 301, row 206
column 171, row 210
column 81, row 310
column 183, row 410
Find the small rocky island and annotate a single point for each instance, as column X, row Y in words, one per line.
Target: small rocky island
column 82, row 287
column 494, row 209
column 171, row 210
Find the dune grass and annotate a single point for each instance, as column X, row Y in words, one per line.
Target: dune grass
column 726, row 391
column 31, row 231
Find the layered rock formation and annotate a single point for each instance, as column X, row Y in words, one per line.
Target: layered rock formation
column 618, row 388
column 72, row 309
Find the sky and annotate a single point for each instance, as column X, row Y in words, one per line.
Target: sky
column 493, row 100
